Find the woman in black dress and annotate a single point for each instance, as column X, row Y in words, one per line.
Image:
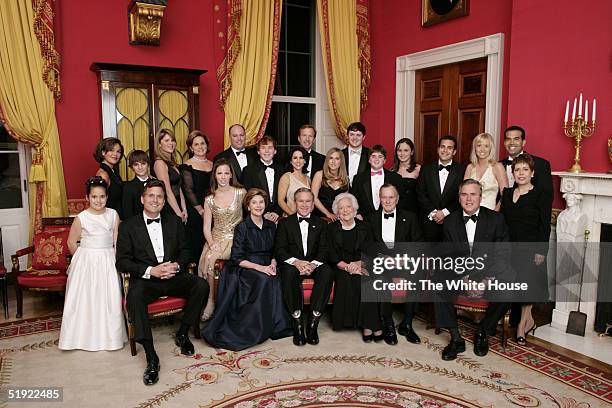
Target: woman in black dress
column 108, row 153
column 524, row 208
column 250, row 306
column 166, row 170
column 404, row 164
column 195, row 173
column 347, row 237
column 329, row 182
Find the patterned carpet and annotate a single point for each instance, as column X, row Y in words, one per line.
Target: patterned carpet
column 341, row 372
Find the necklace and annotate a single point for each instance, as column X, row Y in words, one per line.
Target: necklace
column 204, row 160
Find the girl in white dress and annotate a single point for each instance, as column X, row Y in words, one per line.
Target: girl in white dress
column 93, row 318
column 487, row 170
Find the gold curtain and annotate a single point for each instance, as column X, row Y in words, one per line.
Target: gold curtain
column 342, row 60
column 28, row 108
column 132, row 105
column 254, row 72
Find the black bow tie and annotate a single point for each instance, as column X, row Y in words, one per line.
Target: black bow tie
column 152, row 220
column 443, row 167
column 507, row 162
column 239, row 152
column 300, row 219
column 268, row 166
column 388, row 215
column 472, row 217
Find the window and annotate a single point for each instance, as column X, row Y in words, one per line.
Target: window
column 295, row 96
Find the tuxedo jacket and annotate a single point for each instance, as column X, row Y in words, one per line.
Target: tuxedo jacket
column 362, row 189
column 364, row 163
column 254, row 176
column 317, row 160
column 135, row 251
column 491, row 238
column 428, row 188
column 288, row 241
column 228, row 154
column 132, row 191
column 542, row 179
column 407, row 228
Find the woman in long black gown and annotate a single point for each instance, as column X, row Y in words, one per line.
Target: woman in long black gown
column 404, row 164
column 108, row 153
column 347, row 238
column 524, row 208
column 195, row 173
column 166, row 170
column 250, row 305
column 329, row 182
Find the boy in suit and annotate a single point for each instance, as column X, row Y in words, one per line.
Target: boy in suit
column 356, row 155
column 132, row 190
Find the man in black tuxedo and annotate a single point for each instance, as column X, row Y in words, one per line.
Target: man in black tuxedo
column 306, row 138
column 139, row 162
column 237, row 155
column 475, row 230
column 366, row 185
column 356, row 154
column 265, row 174
column 437, row 188
column 153, row 249
column 394, row 225
column 300, row 249
column 514, row 142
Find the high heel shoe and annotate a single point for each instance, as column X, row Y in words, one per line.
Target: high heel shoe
column 522, row 341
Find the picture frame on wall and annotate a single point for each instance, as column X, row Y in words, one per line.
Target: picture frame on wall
column 438, row 11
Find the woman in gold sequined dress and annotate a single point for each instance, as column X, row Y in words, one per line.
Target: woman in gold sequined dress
column 222, row 212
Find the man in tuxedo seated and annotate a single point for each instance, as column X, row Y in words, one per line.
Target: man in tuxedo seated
column 366, row 185
column 153, row 249
column 265, row 174
column 356, row 154
column 237, row 155
column 300, row 249
column 391, row 225
column 475, row 230
column 306, row 138
column 437, row 188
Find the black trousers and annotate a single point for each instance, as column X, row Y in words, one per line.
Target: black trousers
column 145, row 291
column 291, row 282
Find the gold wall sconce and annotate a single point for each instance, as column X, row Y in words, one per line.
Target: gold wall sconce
column 144, row 21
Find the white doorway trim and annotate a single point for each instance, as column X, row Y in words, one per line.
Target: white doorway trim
column 491, row 46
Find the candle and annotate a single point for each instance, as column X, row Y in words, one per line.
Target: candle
column 594, row 107
column 566, row 111
column 574, row 110
column 580, row 106
column 586, row 111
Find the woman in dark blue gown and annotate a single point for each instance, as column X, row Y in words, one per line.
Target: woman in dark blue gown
column 250, row 305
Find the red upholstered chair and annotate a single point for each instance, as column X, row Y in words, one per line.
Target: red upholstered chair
column 50, row 259
column 162, row 307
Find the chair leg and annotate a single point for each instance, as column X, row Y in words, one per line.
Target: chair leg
column 19, row 297
column 131, row 338
column 506, row 330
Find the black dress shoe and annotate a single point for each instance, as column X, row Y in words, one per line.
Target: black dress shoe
column 378, row 337
column 182, row 340
column 389, row 333
column 454, row 347
column 312, row 335
column 409, row 333
column 151, row 373
column 481, row 344
column 299, row 339
column 367, row 338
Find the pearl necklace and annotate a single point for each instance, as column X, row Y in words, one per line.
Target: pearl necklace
column 200, row 160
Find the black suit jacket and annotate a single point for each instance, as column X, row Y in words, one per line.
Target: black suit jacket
column 228, row 154
column 135, row 251
column 491, row 228
column 407, row 227
column 428, row 188
column 317, row 160
column 288, row 241
column 364, row 163
column 254, row 176
column 362, row 189
column 132, row 190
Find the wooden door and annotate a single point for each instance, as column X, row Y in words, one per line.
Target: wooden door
column 450, row 100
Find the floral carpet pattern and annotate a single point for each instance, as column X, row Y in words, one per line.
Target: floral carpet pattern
column 342, row 371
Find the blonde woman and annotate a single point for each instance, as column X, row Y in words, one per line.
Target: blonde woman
column 487, row 170
column 329, row 182
column 166, row 170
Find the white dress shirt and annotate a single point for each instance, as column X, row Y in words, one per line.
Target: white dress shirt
column 443, row 174
column 309, row 168
column 509, row 171
column 354, row 155
column 388, row 227
column 304, row 227
column 270, row 178
column 157, row 240
column 377, row 181
column 470, row 228
column 242, row 159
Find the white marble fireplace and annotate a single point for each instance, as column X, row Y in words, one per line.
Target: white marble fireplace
column 596, row 191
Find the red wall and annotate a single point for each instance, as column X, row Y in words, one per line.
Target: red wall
column 98, row 32
column 396, row 30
